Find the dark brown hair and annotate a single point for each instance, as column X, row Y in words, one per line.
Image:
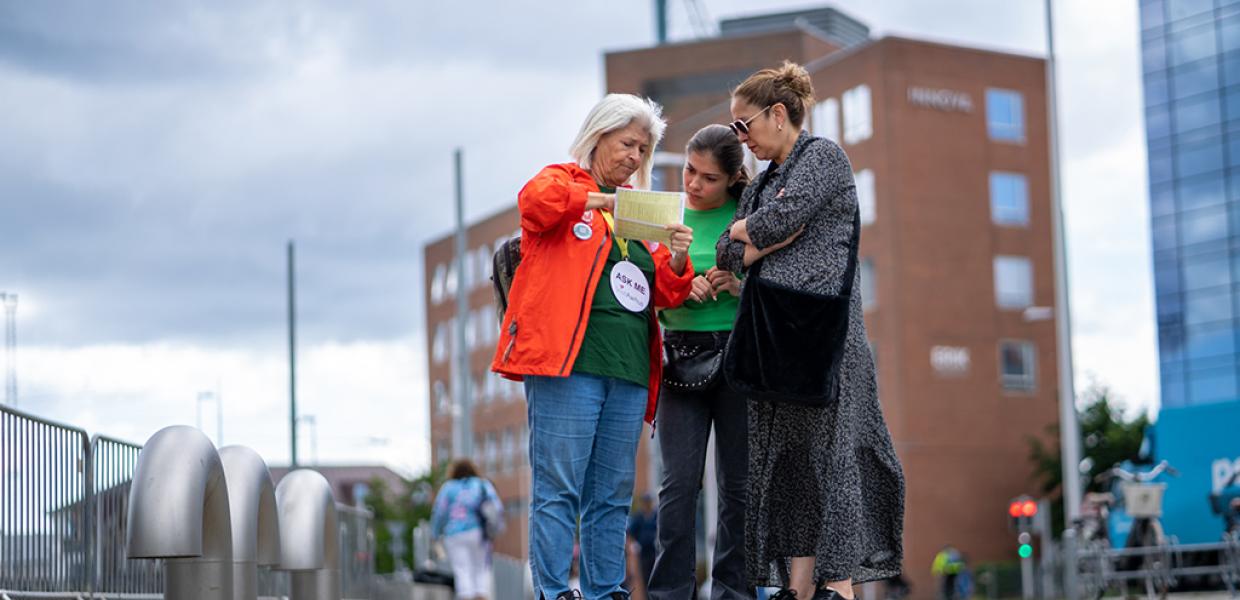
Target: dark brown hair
column 789, row 85
column 463, row 468
column 721, row 143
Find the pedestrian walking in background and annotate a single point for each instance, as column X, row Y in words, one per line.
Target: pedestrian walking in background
column 580, row 330
column 465, row 508
column 947, row 567
column 951, row 570
column 694, row 398
column 826, row 503
column 643, row 528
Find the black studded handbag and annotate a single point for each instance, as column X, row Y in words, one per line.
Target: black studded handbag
column 787, row 345
column 693, row 359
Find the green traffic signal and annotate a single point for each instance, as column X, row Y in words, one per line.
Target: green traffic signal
column 1025, row 551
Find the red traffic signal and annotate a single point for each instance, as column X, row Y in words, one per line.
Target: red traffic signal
column 1028, row 508
column 1022, row 507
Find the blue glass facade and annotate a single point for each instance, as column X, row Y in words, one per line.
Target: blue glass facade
column 1191, row 67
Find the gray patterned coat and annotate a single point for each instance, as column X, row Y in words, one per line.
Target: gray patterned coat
column 823, row 482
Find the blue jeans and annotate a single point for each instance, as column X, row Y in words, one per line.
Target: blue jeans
column 583, row 449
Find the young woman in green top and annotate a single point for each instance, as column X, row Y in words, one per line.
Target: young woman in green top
column 694, row 396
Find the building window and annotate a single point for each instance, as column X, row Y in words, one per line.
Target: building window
column 869, row 287
column 827, row 119
column 449, row 282
column 1009, row 199
column 471, row 331
column 1005, row 115
column 492, row 452
column 858, row 115
column 1016, row 365
column 443, row 452
column 865, row 196
column 482, row 265
column 1013, row 282
column 443, row 403
column 438, row 283
column 508, row 450
column 439, row 346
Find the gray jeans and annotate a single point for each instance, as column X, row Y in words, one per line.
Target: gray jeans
column 684, row 424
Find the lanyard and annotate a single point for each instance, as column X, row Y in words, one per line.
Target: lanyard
column 611, row 226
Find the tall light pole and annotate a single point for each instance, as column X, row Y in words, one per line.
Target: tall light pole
column 1069, row 427
column 462, row 416
column 10, row 348
column 292, row 358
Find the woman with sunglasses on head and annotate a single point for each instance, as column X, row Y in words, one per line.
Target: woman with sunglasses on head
column 580, row 330
column 693, row 396
column 826, row 491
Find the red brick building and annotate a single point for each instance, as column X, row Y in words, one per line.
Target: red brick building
column 949, row 147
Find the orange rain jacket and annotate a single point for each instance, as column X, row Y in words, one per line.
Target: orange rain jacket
column 553, row 289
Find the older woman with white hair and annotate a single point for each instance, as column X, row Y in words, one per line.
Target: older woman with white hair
column 580, row 330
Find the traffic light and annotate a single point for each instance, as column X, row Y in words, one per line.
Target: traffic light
column 1025, row 550
column 1021, row 511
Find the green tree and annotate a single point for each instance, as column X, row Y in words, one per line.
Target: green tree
column 1107, row 438
column 406, row 507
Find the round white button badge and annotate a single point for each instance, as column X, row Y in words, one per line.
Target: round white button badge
column 582, row 231
column 629, row 286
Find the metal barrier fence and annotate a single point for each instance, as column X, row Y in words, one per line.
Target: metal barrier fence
column 1159, row 568
column 357, row 558
column 64, row 506
column 512, row 579
column 357, row 551
column 113, row 464
column 45, row 497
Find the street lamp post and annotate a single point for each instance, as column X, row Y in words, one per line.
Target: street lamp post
column 9, row 302
column 1070, row 435
column 1069, row 427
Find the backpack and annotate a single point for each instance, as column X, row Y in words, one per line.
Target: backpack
column 503, row 268
column 489, row 513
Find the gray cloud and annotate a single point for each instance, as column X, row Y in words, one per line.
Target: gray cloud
column 158, row 155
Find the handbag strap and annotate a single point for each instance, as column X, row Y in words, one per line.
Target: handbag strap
column 854, row 244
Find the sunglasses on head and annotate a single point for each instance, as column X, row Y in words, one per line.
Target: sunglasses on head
column 742, row 126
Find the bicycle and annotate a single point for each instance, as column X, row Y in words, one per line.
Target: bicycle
column 1225, row 502
column 1148, row 549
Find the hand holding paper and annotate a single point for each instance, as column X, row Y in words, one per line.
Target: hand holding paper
column 643, row 215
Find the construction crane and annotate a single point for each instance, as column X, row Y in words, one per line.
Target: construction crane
column 10, row 347
column 703, row 27
column 698, row 19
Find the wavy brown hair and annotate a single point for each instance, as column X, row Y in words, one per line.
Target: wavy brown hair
column 789, row 84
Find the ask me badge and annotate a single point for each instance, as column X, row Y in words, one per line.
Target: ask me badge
column 630, row 287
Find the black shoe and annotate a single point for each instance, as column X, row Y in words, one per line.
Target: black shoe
column 569, row 594
column 785, row 594
column 619, row 595
column 826, row 594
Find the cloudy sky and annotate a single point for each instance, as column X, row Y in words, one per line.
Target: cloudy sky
column 156, row 157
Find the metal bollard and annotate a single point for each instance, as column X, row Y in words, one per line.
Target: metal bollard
column 255, row 520
column 309, row 536
column 178, row 511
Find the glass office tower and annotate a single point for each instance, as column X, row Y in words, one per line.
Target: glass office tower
column 1191, row 63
